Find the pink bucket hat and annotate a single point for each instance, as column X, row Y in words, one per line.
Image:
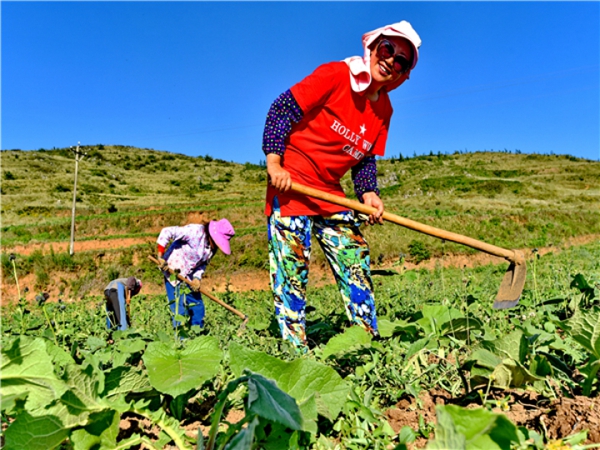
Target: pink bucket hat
column 221, row 231
column 360, row 74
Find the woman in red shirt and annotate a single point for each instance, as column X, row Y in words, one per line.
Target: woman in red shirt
column 334, row 120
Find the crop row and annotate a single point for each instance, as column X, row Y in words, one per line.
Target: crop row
column 67, row 382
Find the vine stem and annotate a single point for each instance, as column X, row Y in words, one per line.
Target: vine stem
column 487, row 391
column 50, row 324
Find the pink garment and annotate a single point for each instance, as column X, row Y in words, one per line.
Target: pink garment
column 360, row 73
column 188, row 250
column 221, row 232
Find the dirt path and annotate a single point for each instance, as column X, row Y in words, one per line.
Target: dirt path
column 248, row 280
column 81, row 246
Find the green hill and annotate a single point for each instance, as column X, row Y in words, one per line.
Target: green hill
column 510, row 200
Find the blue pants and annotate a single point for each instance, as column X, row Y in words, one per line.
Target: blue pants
column 189, row 304
column 116, row 308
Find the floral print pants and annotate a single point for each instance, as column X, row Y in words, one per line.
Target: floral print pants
column 348, row 255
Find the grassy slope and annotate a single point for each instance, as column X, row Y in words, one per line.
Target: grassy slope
column 510, row 200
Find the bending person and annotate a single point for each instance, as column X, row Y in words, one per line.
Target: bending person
column 118, row 294
column 188, row 250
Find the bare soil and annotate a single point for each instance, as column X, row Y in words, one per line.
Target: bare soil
column 555, row 418
column 559, row 417
column 132, row 423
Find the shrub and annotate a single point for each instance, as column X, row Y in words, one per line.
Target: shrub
column 490, row 187
column 205, row 187
column 8, row 175
column 89, row 188
column 418, row 251
column 34, row 210
column 61, row 188
column 42, row 279
column 226, row 178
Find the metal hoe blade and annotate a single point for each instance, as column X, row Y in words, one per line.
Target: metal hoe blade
column 512, row 284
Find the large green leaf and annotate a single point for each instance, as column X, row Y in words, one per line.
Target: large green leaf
column 27, row 367
column 84, row 385
column 460, row 327
column 512, row 374
column 266, row 400
column 35, row 433
column 446, row 435
column 584, row 327
column 388, row 328
column 472, row 429
column 79, row 401
column 78, row 406
column 175, row 371
column 353, row 338
column 130, row 345
column 125, row 380
column 301, row 378
column 495, row 358
column 514, row 345
column 485, row 358
column 416, row 347
column 581, row 283
column 100, row 434
column 59, row 355
column 436, row 315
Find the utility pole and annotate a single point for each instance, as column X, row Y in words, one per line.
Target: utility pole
column 78, row 155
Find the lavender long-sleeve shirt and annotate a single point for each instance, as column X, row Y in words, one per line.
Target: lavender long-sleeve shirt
column 188, row 249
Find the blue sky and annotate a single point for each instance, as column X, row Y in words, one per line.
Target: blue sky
column 198, row 77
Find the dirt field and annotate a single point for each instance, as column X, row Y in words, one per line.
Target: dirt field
column 248, row 280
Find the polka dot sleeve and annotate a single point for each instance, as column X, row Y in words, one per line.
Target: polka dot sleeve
column 283, row 112
column 364, row 176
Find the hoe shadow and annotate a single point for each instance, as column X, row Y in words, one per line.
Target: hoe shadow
column 384, row 272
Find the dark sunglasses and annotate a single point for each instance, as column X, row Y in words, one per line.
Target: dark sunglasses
column 385, row 50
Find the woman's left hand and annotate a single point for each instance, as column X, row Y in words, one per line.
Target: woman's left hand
column 372, row 199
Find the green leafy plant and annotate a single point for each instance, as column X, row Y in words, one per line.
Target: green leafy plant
column 469, row 429
column 418, row 251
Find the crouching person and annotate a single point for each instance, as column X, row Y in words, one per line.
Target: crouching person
column 118, row 295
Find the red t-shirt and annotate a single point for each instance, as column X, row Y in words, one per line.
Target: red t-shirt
column 339, row 128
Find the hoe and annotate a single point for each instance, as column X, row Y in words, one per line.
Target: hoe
column 209, row 295
column 514, row 278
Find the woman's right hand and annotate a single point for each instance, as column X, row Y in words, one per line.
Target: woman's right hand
column 163, row 265
column 279, row 178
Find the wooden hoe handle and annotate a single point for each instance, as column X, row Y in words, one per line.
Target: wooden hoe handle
column 203, row 291
column 510, row 255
